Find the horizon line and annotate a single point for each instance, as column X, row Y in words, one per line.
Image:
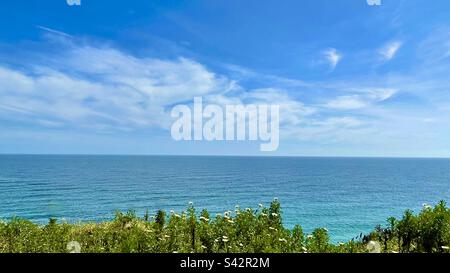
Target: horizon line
column 224, row 155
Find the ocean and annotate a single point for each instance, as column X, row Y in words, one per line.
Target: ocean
column 348, row 196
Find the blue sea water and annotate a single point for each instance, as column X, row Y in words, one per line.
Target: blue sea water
column 346, row 195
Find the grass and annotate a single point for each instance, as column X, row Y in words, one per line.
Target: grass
column 241, row 231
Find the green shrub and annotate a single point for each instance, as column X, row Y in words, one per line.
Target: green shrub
column 241, row 231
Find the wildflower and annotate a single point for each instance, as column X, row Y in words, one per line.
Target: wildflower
column 304, row 249
column 230, row 221
column 241, row 245
column 373, row 247
column 191, row 203
column 225, row 237
column 445, row 247
column 261, row 205
column 271, row 228
column 177, row 215
column 264, row 214
column 275, row 199
column 74, row 247
column 204, row 218
column 224, row 240
column 204, row 247
column 216, row 240
column 166, row 236
column 282, row 240
column 274, row 214
column 309, row 237
column 148, row 230
column 175, row 252
column 172, row 212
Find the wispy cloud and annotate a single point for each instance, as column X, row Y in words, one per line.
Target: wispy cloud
column 364, row 98
column 53, row 31
column 389, row 51
column 103, row 88
column 333, row 57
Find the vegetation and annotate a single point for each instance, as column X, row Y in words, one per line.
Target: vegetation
column 241, row 231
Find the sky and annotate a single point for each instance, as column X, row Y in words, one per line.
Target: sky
column 351, row 79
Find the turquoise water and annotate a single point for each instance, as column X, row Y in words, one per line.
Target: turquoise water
column 346, row 195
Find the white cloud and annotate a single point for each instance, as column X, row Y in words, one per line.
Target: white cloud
column 292, row 111
column 104, row 88
column 389, row 51
column 364, row 98
column 54, row 32
column 333, row 57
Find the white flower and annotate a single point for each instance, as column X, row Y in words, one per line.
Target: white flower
column 177, row 215
column 224, row 240
column 282, row 240
column 260, row 205
column 274, row 214
column 373, row 247
column 304, row 249
column 309, row 237
column 241, row 245
column 271, row 228
column 445, row 247
column 74, row 247
column 204, row 218
column 204, row 247
column 191, row 203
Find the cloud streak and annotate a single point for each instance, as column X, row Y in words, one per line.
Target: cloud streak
column 333, row 57
column 389, row 51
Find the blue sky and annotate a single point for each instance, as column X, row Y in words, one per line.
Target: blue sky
column 351, row 79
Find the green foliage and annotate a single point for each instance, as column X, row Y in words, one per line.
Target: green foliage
column 429, row 231
column 241, row 231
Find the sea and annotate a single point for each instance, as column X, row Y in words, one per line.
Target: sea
column 348, row 196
